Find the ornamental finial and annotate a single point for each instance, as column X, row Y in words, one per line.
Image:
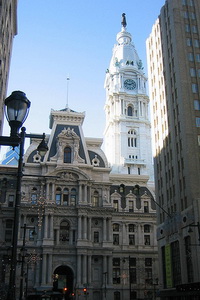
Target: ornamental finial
column 123, row 22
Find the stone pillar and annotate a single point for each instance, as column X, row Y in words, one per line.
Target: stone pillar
column 85, row 227
column 124, row 234
column 49, row 274
column 79, row 269
column 85, row 194
column 45, row 226
column 51, row 227
column 84, row 269
column 89, row 269
column 104, row 229
column 57, row 237
column 79, row 227
column 105, row 269
column 44, row 268
column 89, row 229
column 89, row 195
column 110, row 273
column 53, row 193
column 109, row 230
column 47, row 192
column 80, row 192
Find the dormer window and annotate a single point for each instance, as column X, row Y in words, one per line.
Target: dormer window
column 67, row 155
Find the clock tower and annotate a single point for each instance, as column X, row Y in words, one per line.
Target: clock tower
column 127, row 136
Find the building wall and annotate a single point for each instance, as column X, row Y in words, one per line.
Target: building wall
column 8, row 29
column 89, row 229
column 173, row 49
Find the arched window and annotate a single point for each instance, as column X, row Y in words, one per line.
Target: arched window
column 95, row 199
column 73, row 197
column 130, row 110
column 116, row 295
column 67, row 155
column 65, row 196
column 132, row 138
column 64, row 231
column 58, row 196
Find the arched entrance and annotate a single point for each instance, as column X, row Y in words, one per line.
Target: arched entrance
column 63, row 281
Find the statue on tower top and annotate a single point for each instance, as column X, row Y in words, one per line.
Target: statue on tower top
column 124, row 20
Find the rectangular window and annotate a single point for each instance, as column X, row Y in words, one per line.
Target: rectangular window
column 133, row 275
column 116, row 205
column 176, row 265
column 189, row 42
column 196, row 43
column 146, row 206
column 196, row 104
column 197, row 122
column 148, row 261
column 116, row 275
column 32, row 233
column 194, row 88
column 116, row 261
column 148, row 274
column 11, row 201
column 131, row 239
column 190, row 56
column 147, row 239
column 58, row 199
column 187, row 27
column 96, row 237
column 192, row 72
column 199, row 73
column 198, row 57
column 131, row 207
column 194, row 29
column 65, row 199
column 185, row 14
column 115, row 239
column 192, row 15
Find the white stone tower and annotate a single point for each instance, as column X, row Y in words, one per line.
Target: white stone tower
column 127, row 136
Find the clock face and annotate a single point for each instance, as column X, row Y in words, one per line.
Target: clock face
column 129, row 84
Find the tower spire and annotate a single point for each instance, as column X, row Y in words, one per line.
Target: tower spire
column 123, row 22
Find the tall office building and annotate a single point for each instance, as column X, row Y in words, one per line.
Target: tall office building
column 8, row 29
column 173, row 53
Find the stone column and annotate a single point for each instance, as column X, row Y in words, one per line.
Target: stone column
column 49, row 274
column 110, row 273
column 84, row 269
column 104, row 229
column 89, row 229
column 79, row 227
column 45, row 226
column 51, row 227
column 85, row 227
column 44, row 268
column 53, row 193
column 85, row 194
column 89, row 269
column 79, row 269
column 57, row 236
column 109, row 230
column 80, row 192
column 89, row 194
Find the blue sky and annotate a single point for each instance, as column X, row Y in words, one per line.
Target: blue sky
column 61, row 38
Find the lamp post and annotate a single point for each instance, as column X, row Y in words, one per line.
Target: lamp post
column 16, row 110
column 21, row 295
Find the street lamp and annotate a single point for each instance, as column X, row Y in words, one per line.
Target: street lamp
column 16, row 110
column 23, row 254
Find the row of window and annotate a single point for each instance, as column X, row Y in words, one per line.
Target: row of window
column 118, row 271
column 131, row 227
